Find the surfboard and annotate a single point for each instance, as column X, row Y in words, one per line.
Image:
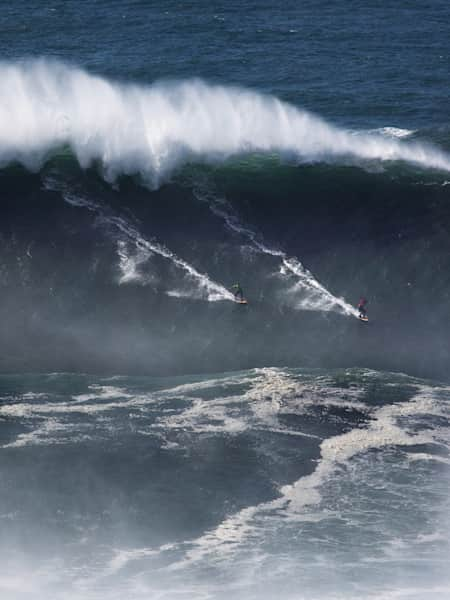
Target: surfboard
column 243, row 301
column 365, row 319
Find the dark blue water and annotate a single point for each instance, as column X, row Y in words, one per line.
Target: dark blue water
column 358, row 63
column 158, row 440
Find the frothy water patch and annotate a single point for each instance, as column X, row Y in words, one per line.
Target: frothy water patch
column 392, row 132
column 131, row 263
column 299, row 501
column 352, row 478
column 151, row 130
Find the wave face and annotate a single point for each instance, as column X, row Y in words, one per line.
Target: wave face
column 121, row 278
column 251, row 484
column 158, row 440
column 149, row 202
column 152, row 130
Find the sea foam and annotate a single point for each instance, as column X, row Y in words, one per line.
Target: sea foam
column 129, row 129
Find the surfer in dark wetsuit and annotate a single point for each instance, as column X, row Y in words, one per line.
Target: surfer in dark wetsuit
column 238, row 292
column 362, row 307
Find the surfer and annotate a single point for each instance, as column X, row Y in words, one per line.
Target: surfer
column 362, row 307
column 238, row 292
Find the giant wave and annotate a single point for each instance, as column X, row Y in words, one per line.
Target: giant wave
column 136, row 278
column 151, row 130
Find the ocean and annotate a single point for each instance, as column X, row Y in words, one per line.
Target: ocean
column 159, row 440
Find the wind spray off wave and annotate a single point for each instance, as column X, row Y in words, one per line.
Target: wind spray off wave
column 150, row 130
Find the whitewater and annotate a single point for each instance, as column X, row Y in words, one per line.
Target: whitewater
column 159, row 441
column 151, row 130
column 253, row 483
column 203, row 288
column 199, row 285
column 315, row 295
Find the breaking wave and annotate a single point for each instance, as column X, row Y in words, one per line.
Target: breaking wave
column 46, row 106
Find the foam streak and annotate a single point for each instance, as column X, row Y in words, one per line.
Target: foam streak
column 317, row 296
column 205, row 288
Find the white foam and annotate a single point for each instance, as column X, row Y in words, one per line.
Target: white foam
column 130, row 264
column 200, row 286
column 430, row 538
column 99, row 392
column 205, row 288
column 48, row 423
column 102, row 399
column 48, row 432
column 317, row 297
column 313, row 295
column 383, row 430
column 223, row 382
column 297, row 500
column 417, row 456
column 152, row 129
column 393, row 132
column 34, row 396
column 270, row 393
column 123, row 557
column 102, row 392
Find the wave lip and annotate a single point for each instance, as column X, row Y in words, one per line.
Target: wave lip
column 151, row 130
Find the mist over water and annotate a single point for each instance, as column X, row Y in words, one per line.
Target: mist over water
column 152, row 130
column 159, row 440
column 154, row 449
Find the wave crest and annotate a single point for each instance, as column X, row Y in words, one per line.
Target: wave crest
column 153, row 129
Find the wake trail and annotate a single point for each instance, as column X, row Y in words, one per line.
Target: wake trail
column 206, row 289
column 316, row 296
column 151, row 130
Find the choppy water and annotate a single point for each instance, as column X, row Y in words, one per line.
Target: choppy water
column 308, row 484
column 153, row 154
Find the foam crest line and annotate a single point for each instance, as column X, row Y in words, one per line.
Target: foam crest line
column 206, row 289
column 152, row 129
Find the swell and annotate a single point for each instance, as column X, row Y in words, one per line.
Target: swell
column 100, row 278
column 151, row 130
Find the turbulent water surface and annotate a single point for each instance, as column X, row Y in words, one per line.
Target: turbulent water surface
column 158, row 440
column 253, row 483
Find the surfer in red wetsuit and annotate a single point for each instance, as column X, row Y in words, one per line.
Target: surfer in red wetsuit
column 362, row 307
